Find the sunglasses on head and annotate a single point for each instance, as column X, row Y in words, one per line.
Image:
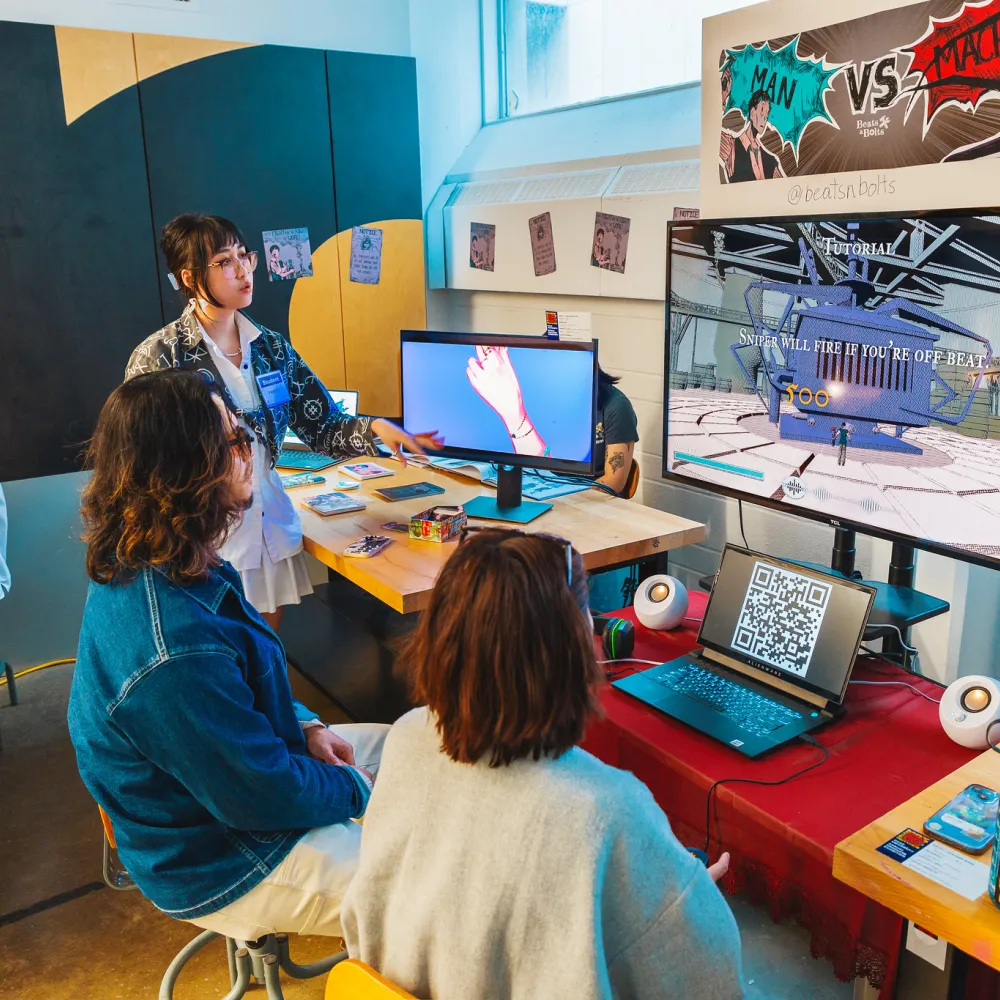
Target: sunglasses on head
column 510, row 532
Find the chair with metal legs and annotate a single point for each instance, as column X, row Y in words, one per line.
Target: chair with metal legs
column 261, row 960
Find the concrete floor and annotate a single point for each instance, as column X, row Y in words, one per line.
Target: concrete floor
column 105, row 945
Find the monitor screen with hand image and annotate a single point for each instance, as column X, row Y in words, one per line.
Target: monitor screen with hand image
column 514, row 400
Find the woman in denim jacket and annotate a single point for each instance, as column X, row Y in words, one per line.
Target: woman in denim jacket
column 185, row 730
column 267, row 386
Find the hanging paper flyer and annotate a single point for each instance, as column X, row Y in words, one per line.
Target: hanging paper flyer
column 366, row 255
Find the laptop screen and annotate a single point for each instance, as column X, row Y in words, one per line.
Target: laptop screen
column 346, row 400
column 786, row 620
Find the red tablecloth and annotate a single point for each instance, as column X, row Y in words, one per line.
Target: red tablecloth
column 887, row 747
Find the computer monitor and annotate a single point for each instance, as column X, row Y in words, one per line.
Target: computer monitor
column 786, row 620
column 522, row 402
column 842, row 368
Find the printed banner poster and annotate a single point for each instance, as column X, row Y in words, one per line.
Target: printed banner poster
column 287, row 254
column 482, row 241
column 910, row 86
column 610, row 242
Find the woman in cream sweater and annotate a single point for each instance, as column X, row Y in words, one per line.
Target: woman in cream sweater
column 500, row 860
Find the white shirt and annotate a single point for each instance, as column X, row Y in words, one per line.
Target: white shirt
column 272, row 521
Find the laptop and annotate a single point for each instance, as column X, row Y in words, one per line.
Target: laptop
column 779, row 643
column 296, row 454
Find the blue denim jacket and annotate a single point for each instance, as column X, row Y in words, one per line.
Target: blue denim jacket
column 186, row 734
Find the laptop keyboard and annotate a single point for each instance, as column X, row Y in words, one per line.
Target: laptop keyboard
column 752, row 712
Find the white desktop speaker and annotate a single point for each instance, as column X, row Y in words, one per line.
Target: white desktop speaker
column 661, row 602
column 969, row 708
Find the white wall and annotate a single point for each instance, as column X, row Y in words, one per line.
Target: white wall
column 445, row 41
column 631, row 335
column 381, row 26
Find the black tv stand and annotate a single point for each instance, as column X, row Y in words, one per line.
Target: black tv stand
column 897, row 604
column 844, row 552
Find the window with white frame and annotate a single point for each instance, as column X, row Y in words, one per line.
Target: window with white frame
column 555, row 53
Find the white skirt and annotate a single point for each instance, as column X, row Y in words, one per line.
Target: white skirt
column 273, row 584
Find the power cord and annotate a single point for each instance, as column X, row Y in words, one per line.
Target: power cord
column 613, row 675
column 41, row 666
column 915, row 690
column 743, row 534
column 875, row 626
column 989, row 729
column 755, row 781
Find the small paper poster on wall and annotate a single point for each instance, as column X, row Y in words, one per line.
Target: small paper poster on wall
column 287, row 254
column 684, row 214
column 366, row 255
column 543, row 248
column 610, row 242
column 482, row 241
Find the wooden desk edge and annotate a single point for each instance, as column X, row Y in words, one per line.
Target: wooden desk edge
column 973, row 926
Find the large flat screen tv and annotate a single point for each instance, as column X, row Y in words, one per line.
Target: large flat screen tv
column 842, row 368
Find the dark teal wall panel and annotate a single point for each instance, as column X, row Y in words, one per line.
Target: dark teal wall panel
column 244, row 134
column 376, row 143
column 78, row 283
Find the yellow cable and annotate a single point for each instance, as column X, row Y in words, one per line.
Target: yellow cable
column 41, row 666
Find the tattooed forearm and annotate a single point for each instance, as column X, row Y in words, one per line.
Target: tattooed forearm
column 616, row 460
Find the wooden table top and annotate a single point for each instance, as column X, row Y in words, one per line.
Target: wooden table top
column 606, row 530
column 972, row 926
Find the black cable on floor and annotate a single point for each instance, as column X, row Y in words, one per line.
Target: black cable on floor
column 755, row 781
column 48, row 904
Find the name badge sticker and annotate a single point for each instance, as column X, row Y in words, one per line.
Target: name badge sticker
column 273, row 389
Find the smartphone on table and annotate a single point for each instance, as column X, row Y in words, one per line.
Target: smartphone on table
column 968, row 822
column 367, row 547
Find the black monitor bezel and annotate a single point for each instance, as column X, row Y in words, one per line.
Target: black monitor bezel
column 509, row 340
column 675, row 478
column 767, row 668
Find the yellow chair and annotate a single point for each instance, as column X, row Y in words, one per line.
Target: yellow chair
column 353, row 980
column 632, row 483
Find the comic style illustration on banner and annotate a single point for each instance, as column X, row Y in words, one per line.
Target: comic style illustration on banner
column 904, row 87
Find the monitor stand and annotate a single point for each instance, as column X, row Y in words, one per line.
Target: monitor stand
column 508, row 505
column 896, row 602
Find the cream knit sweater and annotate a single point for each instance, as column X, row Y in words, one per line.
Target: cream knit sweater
column 555, row 879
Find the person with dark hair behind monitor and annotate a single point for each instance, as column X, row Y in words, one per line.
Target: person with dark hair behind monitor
column 750, row 160
column 498, row 858
column 841, row 437
column 616, row 433
column 267, row 386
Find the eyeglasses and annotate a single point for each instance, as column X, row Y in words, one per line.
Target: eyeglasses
column 247, row 261
column 241, row 442
column 510, row 532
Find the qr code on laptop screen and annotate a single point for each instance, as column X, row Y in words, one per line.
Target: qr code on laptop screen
column 781, row 618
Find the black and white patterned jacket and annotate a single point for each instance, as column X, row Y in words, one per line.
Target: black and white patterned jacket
column 311, row 413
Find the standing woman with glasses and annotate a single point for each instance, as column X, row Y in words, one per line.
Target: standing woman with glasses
column 267, row 387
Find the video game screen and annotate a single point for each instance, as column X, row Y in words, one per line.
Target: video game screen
column 842, row 368
column 491, row 398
